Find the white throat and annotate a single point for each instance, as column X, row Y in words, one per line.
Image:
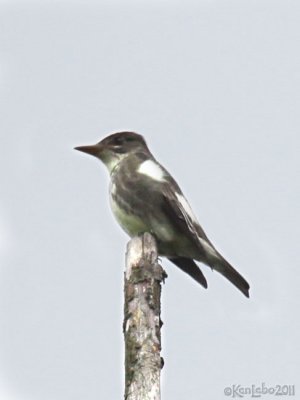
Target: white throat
column 111, row 162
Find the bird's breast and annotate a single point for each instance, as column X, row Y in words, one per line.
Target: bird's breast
column 125, row 214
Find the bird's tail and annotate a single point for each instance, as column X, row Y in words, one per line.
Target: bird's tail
column 223, row 266
column 189, row 266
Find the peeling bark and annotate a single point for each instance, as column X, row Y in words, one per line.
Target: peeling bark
column 142, row 321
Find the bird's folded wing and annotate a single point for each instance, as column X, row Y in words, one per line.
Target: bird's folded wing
column 179, row 211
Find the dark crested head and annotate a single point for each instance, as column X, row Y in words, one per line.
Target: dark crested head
column 124, row 142
column 114, row 148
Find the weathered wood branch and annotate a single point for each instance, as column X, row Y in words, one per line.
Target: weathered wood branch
column 142, row 323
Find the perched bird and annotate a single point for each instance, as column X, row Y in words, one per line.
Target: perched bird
column 145, row 198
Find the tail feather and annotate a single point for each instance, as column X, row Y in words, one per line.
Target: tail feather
column 189, row 266
column 224, row 268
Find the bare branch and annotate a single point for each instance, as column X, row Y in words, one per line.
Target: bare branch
column 142, row 321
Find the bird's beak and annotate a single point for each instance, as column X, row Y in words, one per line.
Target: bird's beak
column 93, row 150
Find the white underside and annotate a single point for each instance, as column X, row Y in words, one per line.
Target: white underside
column 130, row 223
column 133, row 225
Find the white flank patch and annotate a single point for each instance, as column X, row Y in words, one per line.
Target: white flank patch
column 185, row 205
column 150, row 168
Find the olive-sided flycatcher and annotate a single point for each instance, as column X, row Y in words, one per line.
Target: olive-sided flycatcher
column 145, row 198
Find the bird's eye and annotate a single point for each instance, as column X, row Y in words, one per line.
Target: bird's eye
column 118, row 141
column 130, row 139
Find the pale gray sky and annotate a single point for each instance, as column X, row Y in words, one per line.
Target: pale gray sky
column 214, row 88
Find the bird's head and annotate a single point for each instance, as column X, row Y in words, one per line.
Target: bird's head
column 114, row 148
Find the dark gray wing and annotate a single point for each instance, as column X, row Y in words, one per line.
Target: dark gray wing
column 179, row 212
column 182, row 216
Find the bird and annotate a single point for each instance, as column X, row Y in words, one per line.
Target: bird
column 145, row 198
